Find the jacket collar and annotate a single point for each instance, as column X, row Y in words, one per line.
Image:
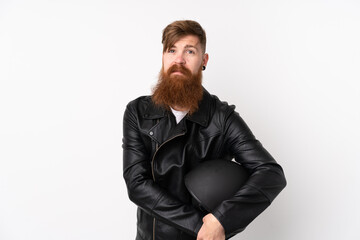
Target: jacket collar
column 201, row 116
column 153, row 111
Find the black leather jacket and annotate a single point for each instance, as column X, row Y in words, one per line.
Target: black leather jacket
column 157, row 153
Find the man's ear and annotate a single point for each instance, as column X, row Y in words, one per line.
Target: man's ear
column 205, row 59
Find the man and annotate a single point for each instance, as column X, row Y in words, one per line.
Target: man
column 179, row 126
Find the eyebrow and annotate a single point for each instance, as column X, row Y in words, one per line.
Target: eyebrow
column 190, row 46
column 186, row 47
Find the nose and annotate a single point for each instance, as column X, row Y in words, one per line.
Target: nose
column 179, row 59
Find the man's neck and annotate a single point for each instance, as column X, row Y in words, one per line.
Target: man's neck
column 181, row 109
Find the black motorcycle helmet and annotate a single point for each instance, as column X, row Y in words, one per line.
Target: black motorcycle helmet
column 214, row 181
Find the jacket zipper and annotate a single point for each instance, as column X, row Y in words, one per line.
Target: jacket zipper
column 152, row 168
column 154, row 229
column 153, row 175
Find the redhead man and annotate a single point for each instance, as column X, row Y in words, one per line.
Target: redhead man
column 179, row 126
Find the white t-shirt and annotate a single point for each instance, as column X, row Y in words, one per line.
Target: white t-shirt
column 179, row 115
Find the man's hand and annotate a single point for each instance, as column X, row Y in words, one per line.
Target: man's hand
column 211, row 229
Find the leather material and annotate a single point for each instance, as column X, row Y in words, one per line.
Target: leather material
column 158, row 153
column 214, row 181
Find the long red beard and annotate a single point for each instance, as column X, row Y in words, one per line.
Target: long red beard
column 184, row 91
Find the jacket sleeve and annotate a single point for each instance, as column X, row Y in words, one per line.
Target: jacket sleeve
column 143, row 191
column 264, row 184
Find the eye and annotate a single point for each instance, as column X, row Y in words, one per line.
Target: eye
column 190, row 51
column 171, row 51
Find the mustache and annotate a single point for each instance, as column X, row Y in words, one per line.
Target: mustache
column 179, row 68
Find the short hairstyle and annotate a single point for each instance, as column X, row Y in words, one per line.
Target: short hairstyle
column 178, row 29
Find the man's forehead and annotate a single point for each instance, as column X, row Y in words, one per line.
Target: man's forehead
column 187, row 41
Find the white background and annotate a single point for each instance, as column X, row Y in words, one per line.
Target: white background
column 68, row 69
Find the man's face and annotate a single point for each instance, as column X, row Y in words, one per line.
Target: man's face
column 186, row 52
column 179, row 85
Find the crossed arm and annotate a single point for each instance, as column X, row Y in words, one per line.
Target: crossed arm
column 231, row 216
